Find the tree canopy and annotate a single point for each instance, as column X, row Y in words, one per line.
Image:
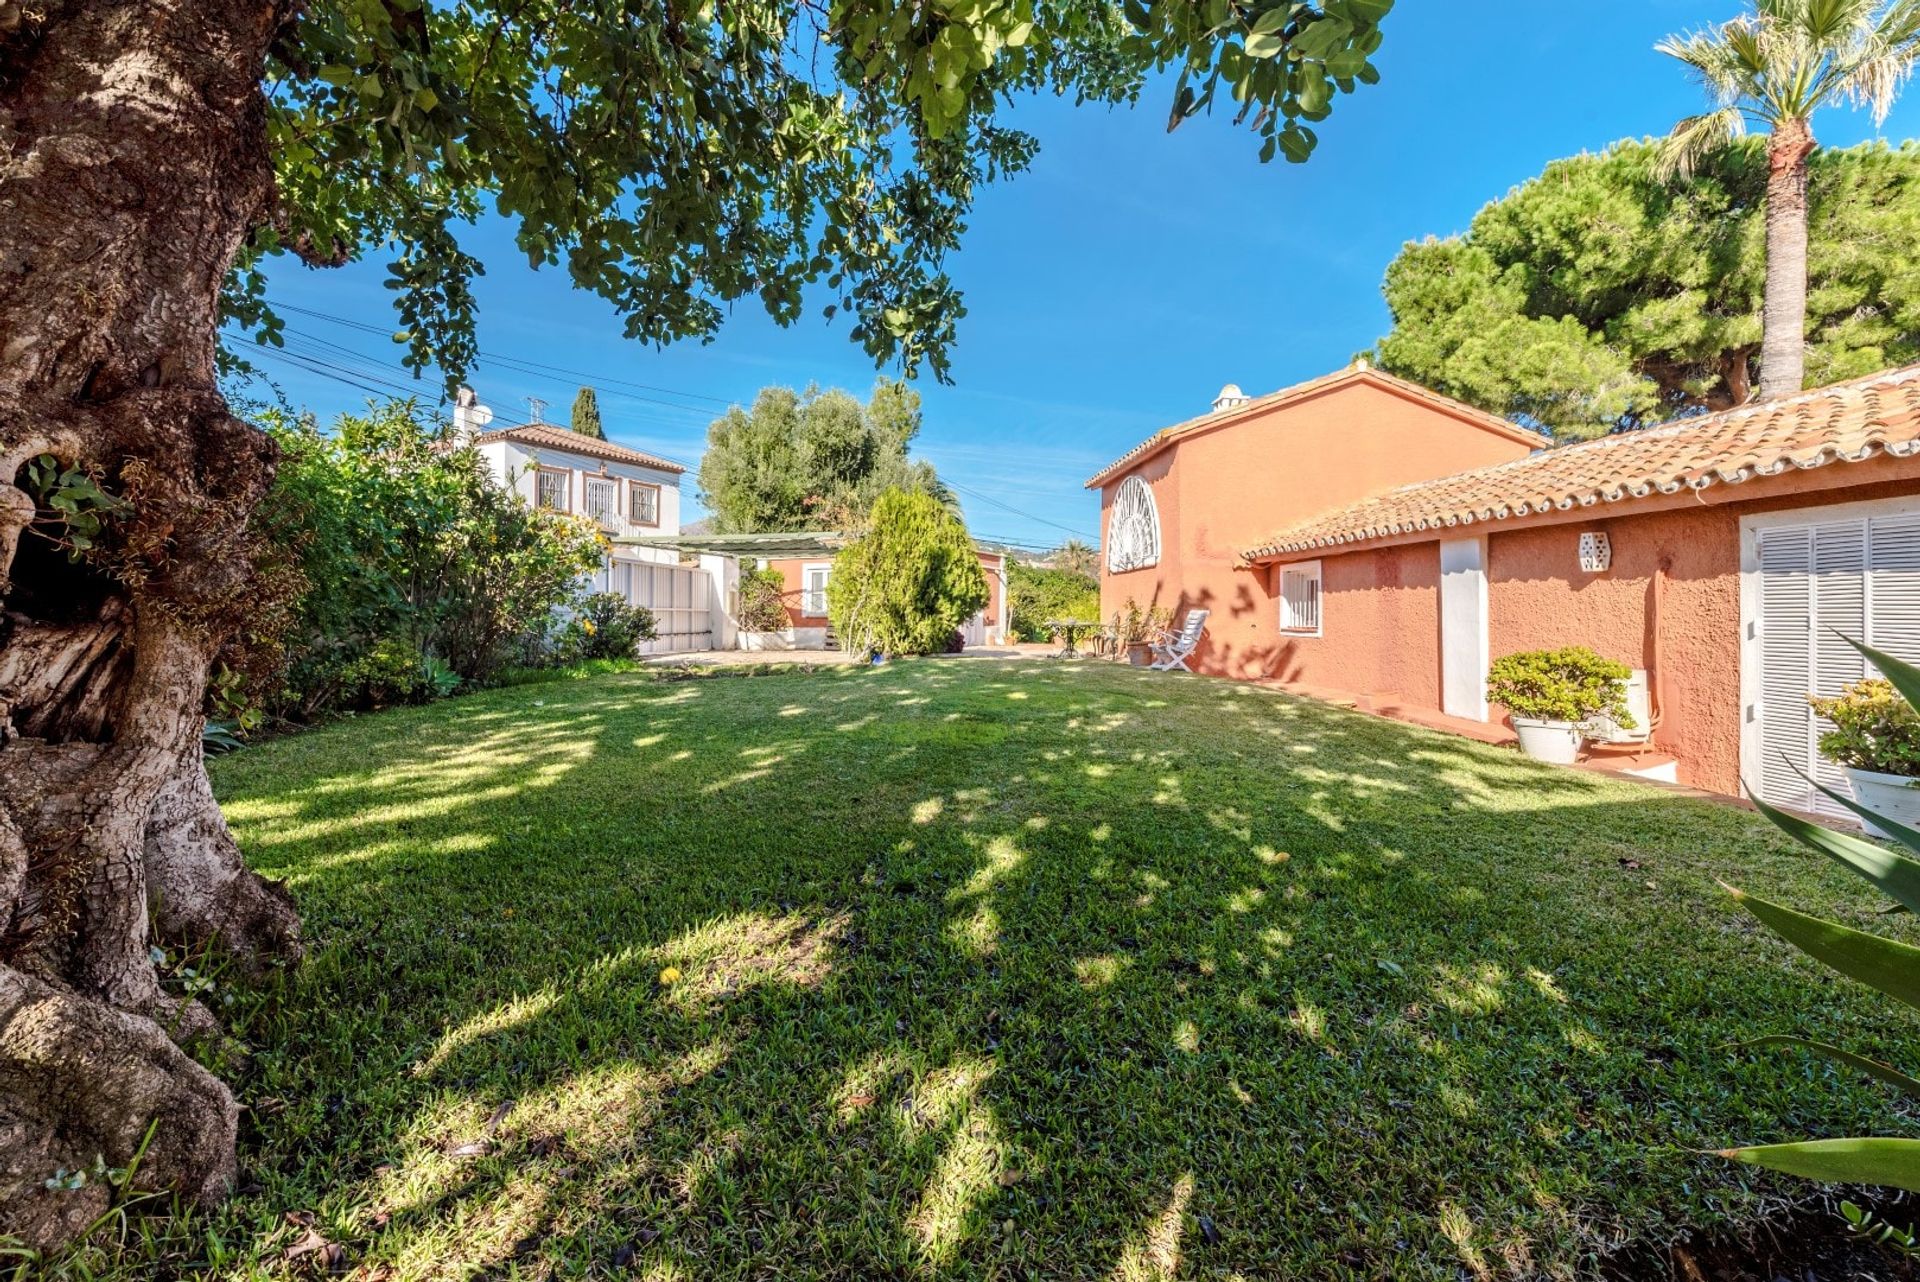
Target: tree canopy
column 813, row 459
column 1598, row 297
column 585, row 418
column 675, row 160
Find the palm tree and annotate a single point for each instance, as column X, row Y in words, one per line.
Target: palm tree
column 1076, row 556
column 1773, row 68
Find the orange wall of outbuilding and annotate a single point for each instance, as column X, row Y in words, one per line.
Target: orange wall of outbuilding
column 1219, row 491
column 1380, row 608
column 1380, row 611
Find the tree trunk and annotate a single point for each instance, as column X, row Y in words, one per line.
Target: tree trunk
column 1783, row 343
column 133, row 162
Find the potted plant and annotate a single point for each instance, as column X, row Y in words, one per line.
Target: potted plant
column 1552, row 694
column 1875, row 740
column 1137, row 631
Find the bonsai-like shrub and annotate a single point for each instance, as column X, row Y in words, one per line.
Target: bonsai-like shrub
column 761, row 606
column 605, row 626
column 1873, row 728
column 908, row 583
column 1133, row 625
column 1569, row 684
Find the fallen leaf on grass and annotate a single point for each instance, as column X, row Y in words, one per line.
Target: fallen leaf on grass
column 1010, row 1177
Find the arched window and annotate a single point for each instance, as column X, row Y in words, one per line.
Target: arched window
column 1133, row 533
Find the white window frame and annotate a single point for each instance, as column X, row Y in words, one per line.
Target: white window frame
column 609, row 517
column 1288, row 626
column 1752, row 680
column 808, row 596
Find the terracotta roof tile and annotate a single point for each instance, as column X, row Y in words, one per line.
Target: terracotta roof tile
column 1301, row 391
column 554, row 437
column 1845, row 423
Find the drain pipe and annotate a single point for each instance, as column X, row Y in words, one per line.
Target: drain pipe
column 1656, row 661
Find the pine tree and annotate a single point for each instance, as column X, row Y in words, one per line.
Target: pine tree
column 586, row 415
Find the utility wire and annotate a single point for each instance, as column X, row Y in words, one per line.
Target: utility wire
column 366, row 327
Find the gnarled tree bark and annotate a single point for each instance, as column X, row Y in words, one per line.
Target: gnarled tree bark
column 133, row 161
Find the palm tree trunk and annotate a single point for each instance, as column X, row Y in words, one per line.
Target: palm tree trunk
column 1783, row 348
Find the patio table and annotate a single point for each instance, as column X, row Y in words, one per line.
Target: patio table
column 1070, row 631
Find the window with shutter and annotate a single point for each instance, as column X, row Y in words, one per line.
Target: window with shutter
column 1300, row 599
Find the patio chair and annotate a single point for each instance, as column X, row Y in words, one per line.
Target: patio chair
column 1179, row 647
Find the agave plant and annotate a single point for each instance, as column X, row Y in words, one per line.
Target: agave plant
column 1891, row 967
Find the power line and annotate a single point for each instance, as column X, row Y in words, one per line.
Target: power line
column 988, row 498
column 366, row 327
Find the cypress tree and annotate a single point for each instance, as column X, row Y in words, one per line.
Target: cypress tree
column 586, row 415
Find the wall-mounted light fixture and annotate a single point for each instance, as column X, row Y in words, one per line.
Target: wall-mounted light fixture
column 1596, row 552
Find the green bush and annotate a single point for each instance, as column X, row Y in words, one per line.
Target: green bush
column 908, row 583
column 604, row 625
column 1873, row 728
column 1569, row 684
column 1036, row 595
column 415, row 572
column 763, row 607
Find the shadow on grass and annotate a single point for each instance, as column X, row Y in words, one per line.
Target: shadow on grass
column 1007, row 971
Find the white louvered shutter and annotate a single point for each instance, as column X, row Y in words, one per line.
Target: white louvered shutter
column 1820, row 583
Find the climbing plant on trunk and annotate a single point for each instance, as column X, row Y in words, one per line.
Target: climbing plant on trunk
column 672, row 158
column 1774, row 67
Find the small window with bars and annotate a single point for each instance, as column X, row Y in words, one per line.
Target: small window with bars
column 552, row 484
column 1300, row 599
column 643, row 503
column 603, row 500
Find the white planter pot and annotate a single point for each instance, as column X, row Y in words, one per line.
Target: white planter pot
column 1895, row 796
column 765, row 640
column 1554, row 741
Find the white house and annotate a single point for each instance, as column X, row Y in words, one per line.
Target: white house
column 631, row 495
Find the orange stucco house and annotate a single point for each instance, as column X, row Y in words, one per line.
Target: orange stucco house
column 1718, row 556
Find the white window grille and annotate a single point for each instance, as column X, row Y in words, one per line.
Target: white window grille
column 643, row 503
column 1133, row 531
column 603, row 500
column 1300, row 599
column 552, row 488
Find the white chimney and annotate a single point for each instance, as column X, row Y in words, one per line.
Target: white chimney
column 1230, row 396
column 470, row 417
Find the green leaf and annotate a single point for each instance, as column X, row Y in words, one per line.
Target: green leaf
column 1893, row 874
column 1891, row 967
column 1905, row 677
column 1264, row 45
column 1895, row 1163
column 1272, row 20
column 1906, row 836
column 1871, row 1067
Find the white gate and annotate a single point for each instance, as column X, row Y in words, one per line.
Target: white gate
column 1812, row 580
column 680, row 596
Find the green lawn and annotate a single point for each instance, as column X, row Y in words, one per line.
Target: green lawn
column 1009, row 971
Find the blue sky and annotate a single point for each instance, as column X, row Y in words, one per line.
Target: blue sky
column 1113, row 288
